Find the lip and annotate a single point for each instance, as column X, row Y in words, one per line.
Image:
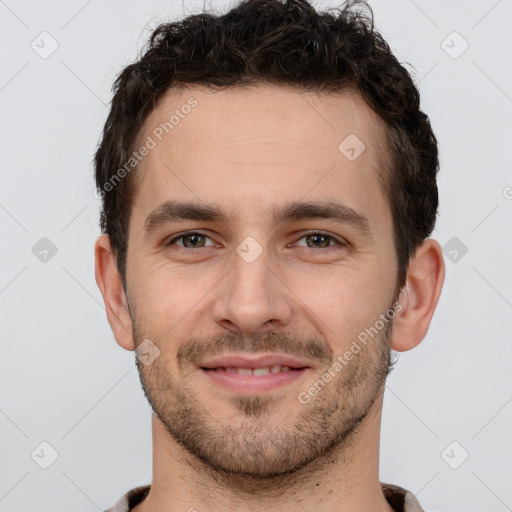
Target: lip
column 237, row 383
column 245, row 361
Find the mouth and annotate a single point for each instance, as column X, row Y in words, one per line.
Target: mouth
column 244, row 374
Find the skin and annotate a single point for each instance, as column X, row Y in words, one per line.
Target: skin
column 249, row 151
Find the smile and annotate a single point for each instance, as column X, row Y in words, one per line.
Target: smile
column 253, row 371
column 251, row 380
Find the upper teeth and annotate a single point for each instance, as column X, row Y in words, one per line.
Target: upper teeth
column 255, row 371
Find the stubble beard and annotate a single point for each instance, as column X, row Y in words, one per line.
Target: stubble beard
column 258, row 449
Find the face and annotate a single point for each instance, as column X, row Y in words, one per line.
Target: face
column 260, row 257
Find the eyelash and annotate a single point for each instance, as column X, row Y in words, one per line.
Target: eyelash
column 339, row 241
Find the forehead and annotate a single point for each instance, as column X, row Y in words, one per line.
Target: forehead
column 246, row 146
column 278, row 114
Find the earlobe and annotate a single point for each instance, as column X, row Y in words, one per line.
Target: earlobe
column 419, row 297
column 110, row 284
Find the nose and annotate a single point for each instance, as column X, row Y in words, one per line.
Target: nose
column 252, row 298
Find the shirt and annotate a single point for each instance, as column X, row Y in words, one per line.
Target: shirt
column 400, row 499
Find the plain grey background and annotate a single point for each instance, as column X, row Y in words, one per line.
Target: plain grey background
column 64, row 381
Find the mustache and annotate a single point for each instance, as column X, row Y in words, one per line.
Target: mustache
column 294, row 345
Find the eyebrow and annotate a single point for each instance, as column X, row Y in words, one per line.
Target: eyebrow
column 174, row 210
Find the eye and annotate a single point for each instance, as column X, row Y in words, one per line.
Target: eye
column 190, row 240
column 321, row 240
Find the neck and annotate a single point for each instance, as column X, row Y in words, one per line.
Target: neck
column 345, row 479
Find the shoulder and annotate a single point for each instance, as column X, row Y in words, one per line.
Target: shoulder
column 129, row 500
column 400, row 499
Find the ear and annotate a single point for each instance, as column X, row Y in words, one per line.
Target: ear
column 110, row 283
column 418, row 298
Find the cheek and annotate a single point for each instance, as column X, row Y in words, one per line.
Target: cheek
column 164, row 296
column 339, row 302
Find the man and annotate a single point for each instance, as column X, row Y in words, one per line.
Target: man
column 268, row 186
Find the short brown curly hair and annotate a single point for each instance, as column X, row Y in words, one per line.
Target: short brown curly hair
column 285, row 43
